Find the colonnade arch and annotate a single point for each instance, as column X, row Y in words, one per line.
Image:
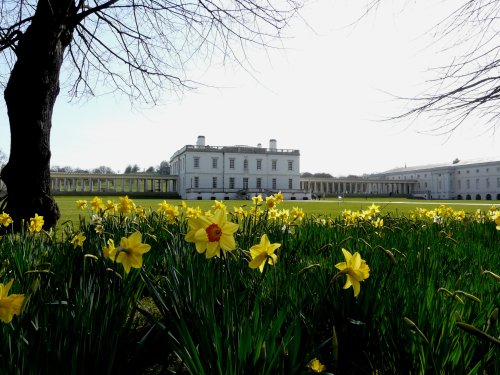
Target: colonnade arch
column 348, row 186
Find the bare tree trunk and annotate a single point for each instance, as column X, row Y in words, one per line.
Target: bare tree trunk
column 30, row 96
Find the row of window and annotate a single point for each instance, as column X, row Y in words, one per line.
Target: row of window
column 232, row 162
column 439, row 175
column 244, row 185
column 467, row 184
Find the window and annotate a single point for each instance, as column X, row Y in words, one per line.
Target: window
column 214, row 162
column 196, row 162
column 274, row 165
column 274, row 184
column 231, row 182
column 258, row 183
column 259, row 163
column 477, row 170
column 245, row 183
column 487, row 182
column 498, row 182
column 290, row 165
column 231, row 163
column 290, row 183
column 468, row 184
column 196, row 182
column 214, row 182
column 245, row 164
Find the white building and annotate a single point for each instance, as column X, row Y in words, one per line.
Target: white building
column 469, row 179
column 236, row 172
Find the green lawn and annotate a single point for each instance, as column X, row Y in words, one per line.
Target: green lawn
column 329, row 206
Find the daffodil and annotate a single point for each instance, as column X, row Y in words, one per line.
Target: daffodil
column 109, row 250
column 130, row 251
column 126, row 205
column 9, row 305
column 96, row 204
column 212, row 234
column 279, row 197
column 170, row 211
column 316, row 366
column 257, row 199
column 263, row 253
column 219, row 205
column 355, row 268
column 36, row 224
column 78, row 240
column 111, row 206
column 270, row 201
column 81, row 204
column 5, row 219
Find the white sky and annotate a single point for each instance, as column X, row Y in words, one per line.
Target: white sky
column 323, row 95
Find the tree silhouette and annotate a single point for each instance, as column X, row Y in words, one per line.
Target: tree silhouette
column 134, row 47
column 469, row 85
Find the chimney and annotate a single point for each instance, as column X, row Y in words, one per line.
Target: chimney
column 201, row 141
column 272, row 144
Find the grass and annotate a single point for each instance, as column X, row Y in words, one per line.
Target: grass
column 329, row 207
column 429, row 305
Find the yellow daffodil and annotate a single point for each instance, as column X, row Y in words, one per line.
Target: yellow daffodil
column 111, row 206
column 272, row 214
column 270, row 201
column 36, row 224
column 219, row 205
column 257, row 199
column 9, row 305
column 355, row 268
column 81, row 204
column 263, row 253
column 212, row 234
column 316, row 366
column 297, row 213
column 279, row 197
column 130, row 252
column 96, row 204
column 193, row 212
column 379, row 223
column 170, row 211
column 109, row 250
column 126, row 205
column 78, row 240
column 5, row 219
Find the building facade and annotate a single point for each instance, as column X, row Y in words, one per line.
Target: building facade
column 236, row 172
column 477, row 179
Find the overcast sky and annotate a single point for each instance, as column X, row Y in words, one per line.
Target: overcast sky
column 324, row 95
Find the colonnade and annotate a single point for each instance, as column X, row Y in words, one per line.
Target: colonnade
column 339, row 186
column 83, row 183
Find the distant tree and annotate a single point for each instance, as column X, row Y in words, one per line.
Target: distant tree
column 306, row 174
column 80, row 170
column 132, row 169
column 151, row 170
column 103, row 170
column 164, row 167
column 66, row 169
column 134, row 47
column 323, row 175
